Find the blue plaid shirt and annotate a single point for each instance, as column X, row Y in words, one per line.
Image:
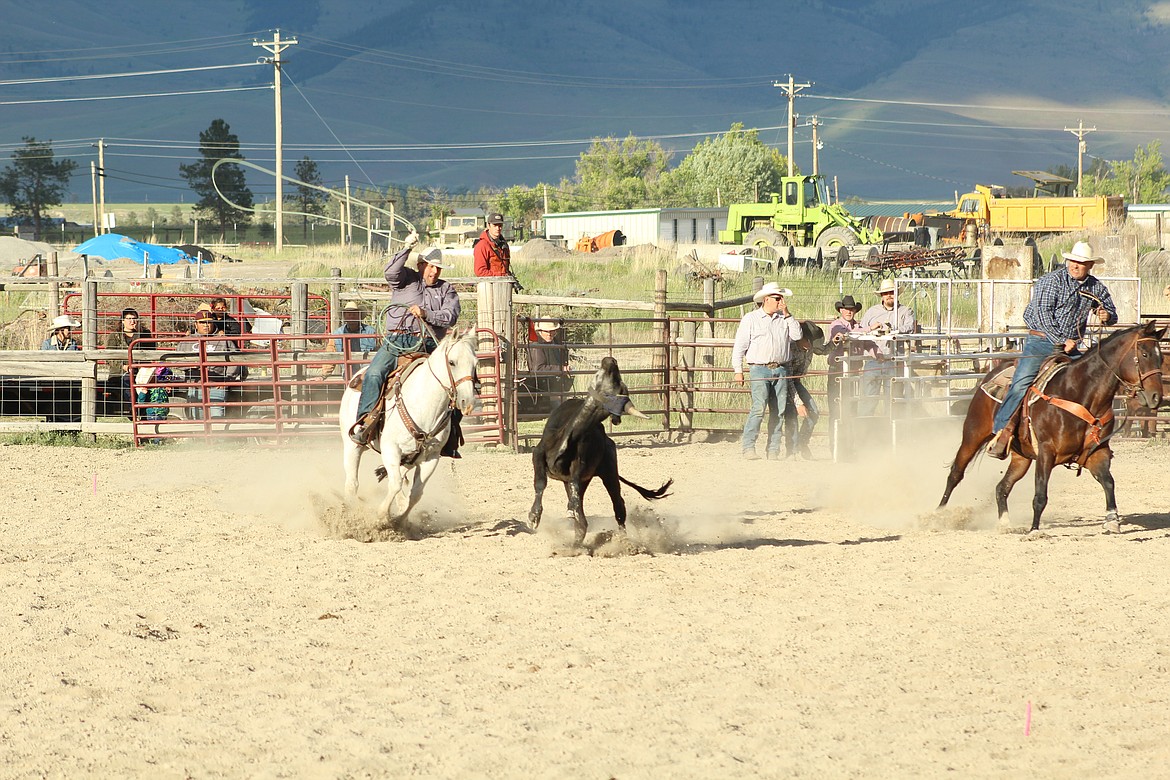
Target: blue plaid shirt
column 1060, row 305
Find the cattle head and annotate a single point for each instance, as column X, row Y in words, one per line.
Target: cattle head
column 610, row 392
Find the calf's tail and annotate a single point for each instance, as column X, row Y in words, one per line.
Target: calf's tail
column 646, row 493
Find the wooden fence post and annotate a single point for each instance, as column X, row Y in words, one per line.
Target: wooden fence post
column 89, row 340
column 659, row 362
column 686, row 359
column 494, row 313
column 334, row 300
column 54, row 287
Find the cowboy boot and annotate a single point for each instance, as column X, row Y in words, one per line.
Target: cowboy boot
column 998, row 448
column 360, row 433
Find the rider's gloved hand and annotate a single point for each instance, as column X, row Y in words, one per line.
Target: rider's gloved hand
column 412, row 239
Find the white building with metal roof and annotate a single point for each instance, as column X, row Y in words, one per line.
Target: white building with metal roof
column 640, row 226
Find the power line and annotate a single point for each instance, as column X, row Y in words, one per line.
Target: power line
column 127, row 97
column 97, row 76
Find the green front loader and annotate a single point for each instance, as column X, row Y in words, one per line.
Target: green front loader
column 799, row 215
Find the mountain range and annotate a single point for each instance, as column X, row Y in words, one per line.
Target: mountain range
column 915, row 99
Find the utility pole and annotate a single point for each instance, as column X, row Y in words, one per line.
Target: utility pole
column 816, row 144
column 275, row 47
column 101, row 172
column 790, row 89
column 1080, row 131
column 97, row 225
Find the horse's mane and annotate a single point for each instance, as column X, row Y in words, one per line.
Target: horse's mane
column 1115, row 336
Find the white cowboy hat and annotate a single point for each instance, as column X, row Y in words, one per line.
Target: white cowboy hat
column 64, row 321
column 887, row 285
column 434, row 256
column 352, row 306
column 548, row 326
column 1082, row 253
column 771, row 288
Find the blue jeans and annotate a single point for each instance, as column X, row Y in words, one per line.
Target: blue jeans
column 798, row 430
column 769, row 388
column 876, row 378
column 384, row 362
column 215, row 395
column 1036, row 349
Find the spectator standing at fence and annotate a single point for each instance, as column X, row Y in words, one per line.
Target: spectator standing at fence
column 1063, row 302
column 421, row 304
column 493, row 257
column 224, row 322
column 842, row 347
column 214, row 373
column 131, row 330
column 61, row 335
column 800, row 416
column 883, row 319
column 763, row 341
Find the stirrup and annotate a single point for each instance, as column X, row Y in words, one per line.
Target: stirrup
column 359, row 434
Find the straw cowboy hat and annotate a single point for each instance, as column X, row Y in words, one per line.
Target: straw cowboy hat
column 1082, row 253
column 434, row 256
column 64, row 321
column 548, row 326
column 847, row 302
column 351, row 306
column 887, row 285
column 771, row 288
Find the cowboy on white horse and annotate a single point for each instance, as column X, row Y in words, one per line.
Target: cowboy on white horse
column 422, row 308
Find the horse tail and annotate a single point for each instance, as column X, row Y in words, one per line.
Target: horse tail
column 646, row 493
column 381, row 473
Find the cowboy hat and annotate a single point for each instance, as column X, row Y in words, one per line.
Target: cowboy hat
column 64, row 321
column 887, row 285
column 771, row 288
column 1082, row 253
column 548, row 326
column 352, row 306
column 847, row 302
column 433, row 256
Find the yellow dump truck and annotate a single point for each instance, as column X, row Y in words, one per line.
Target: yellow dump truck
column 1051, row 210
column 989, row 212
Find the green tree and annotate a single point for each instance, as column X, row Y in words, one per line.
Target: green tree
column 217, row 143
column 620, row 174
column 1143, row 179
column 308, row 200
column 735, row 167
column 34, row 182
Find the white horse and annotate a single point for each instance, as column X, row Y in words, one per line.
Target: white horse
column 417, row 421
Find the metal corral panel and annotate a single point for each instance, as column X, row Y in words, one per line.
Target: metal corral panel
column 640, row 226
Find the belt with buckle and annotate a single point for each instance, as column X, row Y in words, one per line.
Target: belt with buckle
column 1039, row 333
column 768, row 365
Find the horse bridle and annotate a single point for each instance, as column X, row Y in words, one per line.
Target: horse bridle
column 453, row 390
column 1132, row 388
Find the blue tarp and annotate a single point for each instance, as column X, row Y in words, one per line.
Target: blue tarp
column 112, row 246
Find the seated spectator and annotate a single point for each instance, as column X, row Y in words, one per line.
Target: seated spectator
column 548, row 364
column 214, row 372
column 224, row 322
column 61, row 335
column 351, row 322
column 118, row 384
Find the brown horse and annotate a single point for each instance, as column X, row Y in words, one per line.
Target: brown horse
column 1070, row 420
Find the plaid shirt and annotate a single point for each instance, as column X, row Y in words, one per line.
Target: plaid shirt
column 1060, row 305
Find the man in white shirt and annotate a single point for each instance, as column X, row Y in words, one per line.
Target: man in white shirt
column 764, row 343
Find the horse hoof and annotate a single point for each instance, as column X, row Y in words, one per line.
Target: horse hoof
column 1032, row 536
column 1112, row 526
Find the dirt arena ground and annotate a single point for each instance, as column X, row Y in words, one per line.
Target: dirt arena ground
column 218, row 612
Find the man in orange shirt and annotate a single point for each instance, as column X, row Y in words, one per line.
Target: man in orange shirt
column 492, row 256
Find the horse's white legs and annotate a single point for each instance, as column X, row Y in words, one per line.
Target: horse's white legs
column 419, row 481
column 351, row 453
